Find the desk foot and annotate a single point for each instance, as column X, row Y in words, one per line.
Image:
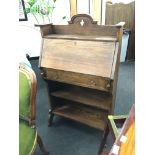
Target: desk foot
column 103, row 142
column 50, row 117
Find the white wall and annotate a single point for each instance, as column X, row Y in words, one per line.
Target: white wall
column 82, row 6
column 29, row 35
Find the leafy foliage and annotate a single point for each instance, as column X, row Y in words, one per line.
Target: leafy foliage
column 41, row 8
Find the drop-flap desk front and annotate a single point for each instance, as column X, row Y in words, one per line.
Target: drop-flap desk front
column 80, row 65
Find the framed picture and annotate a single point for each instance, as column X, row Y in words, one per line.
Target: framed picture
column 22, row 13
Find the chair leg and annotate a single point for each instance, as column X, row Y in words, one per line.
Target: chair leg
column 41, row 145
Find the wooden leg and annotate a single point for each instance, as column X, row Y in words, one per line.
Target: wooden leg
column 105, row 153
column 104, row 139
column 41, row 145
column 50, row 117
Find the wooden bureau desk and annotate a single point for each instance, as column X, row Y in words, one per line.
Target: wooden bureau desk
column 80, row 62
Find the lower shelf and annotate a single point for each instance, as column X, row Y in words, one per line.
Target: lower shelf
column 88, row 117
column 94, row 98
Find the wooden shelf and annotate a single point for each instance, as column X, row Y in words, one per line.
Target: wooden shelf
column 82, row 37
column 88, row 117
column 93, row 98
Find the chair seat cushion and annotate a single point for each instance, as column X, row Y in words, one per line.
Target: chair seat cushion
column 27, row 138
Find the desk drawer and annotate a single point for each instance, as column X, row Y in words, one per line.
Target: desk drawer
column 78, row 79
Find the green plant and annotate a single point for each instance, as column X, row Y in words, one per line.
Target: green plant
column 41, row 8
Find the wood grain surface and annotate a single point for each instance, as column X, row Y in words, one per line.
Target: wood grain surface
column 94, row 58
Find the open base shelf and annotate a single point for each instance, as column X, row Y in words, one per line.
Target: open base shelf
column 85, row 116
column 94, row 98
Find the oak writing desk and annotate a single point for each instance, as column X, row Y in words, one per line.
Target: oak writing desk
column 79, row 63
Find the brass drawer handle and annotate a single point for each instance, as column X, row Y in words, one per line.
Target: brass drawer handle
column 55, row 77
column 108, row 85
column 43, row 74
column 92, row 82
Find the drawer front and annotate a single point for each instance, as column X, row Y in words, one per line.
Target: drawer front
column 83, row 80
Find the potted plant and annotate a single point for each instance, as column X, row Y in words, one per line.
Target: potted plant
column 41, row 10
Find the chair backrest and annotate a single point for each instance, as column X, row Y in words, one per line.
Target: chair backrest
column 27, row 94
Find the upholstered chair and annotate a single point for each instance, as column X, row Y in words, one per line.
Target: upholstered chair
column 28, row 135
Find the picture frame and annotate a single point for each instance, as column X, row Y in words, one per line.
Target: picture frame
column 22, row 13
